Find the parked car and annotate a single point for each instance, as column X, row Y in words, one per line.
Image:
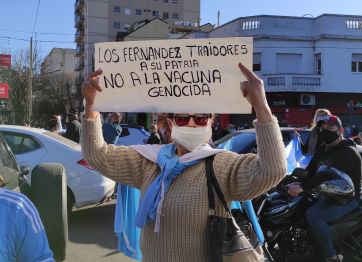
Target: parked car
column 132, row 135
column 33, row 146
column 48, row 193
column 244, row 141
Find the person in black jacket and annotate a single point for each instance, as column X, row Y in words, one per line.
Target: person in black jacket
column 154, row 138
column 73, row 126
column 339, row 153
column 313, row 142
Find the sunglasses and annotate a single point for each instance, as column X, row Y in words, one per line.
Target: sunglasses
column 184, row 119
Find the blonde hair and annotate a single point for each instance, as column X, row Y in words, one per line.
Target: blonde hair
column 320, row 112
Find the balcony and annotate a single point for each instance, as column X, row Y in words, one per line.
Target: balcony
column 79, row 51
column 79, row 4
column 78, row 20
column 183, row 26
column 79, row 65
column 292, row 82
column 79, row 35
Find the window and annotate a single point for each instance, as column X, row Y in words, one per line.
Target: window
column 8, row 167
column 127, row 11
column 116, row 25
column 175, row 1
column 165, row 1
column 257, row 62
column 356, row 65
column 127, row 26
column 116, row 9
column 175, row 16
column 138, row 12
column 318, row 64
column 289, row 63
column 155, row 13
column 165, row 15
column 20, row 143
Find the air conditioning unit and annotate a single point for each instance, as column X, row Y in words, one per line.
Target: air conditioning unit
column 307, row 100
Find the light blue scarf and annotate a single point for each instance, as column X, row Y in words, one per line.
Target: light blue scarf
column 150, row 206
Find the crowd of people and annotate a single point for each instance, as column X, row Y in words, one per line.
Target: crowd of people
column 169, row 172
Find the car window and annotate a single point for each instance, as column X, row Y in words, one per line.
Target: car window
column 135, row 136
column 125, row 132
column 241, row 143
column 289, row 135
column 9, row 169
column 20, row 143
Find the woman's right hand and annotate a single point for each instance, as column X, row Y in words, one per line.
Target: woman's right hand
column 91, row 87
column 89, row 90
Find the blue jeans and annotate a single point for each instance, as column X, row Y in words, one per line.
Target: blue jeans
column 319, row 215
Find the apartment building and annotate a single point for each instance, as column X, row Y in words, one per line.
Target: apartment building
column 59, row 72
column 306, row 63
column 59, row 61
column 101, row 20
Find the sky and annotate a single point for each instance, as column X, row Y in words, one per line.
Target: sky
column 54, row 26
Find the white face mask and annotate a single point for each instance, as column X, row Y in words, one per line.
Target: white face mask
column 191, row 138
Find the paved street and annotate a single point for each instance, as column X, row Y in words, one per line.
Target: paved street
column 91, row 236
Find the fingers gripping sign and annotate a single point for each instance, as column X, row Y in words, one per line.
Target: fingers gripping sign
column 91, row 87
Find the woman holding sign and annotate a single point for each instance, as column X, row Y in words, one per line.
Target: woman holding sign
column 173, row 210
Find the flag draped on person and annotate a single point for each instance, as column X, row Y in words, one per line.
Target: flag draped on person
column 295, row 157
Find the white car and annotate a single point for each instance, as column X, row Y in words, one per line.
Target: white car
column 33, row 146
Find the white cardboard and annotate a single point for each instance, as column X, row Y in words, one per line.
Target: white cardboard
column 175, row 76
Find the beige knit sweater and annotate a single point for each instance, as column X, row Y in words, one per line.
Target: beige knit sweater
column 185, row 208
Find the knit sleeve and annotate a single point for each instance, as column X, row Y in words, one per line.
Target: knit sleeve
column 246, row 176
column 119, row 163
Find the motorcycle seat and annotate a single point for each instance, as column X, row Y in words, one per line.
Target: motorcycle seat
column 355, row 214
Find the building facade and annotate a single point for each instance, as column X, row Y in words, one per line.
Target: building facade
column 305, row 63
column 57, row 79
column 101, row 20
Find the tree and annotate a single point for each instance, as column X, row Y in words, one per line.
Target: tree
column 18, row 78
column 52, row 96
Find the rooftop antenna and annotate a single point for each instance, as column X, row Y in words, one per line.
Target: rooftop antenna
column 218, row 18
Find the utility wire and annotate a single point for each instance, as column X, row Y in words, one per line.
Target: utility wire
column 263, row 47
column 36, row 17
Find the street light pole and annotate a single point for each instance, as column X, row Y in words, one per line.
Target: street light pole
column 30, row 87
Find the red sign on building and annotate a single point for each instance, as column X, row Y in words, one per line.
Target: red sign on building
column 4, row 91
column 5, row 60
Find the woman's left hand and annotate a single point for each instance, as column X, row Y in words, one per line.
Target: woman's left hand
column 253, row 91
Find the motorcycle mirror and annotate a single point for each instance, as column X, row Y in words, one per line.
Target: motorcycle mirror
column 300, row 172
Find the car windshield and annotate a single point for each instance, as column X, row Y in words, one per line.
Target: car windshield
column 62, row 139
column 240, row 141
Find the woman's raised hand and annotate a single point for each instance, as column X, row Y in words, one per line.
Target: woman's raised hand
column 253, row 91
column 89, row 90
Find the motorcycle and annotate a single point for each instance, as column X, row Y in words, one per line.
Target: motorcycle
column 286, row 231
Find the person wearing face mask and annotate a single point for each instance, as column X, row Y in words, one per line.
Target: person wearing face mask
column 339, row 153
column 173, row 208
column 314, row 142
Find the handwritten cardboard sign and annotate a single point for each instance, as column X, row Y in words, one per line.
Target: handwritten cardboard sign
column 175, row 76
